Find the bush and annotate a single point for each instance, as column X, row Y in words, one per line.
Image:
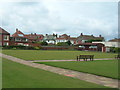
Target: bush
column 115, row 49
column 37, row 48
column 62, row 44
column 68, row 42
column 14, row 48
column 18, row 47
column 44, row 43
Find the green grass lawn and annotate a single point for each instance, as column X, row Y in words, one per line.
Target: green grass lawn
column 108, row 68
column 53, row 55
column 17, row 75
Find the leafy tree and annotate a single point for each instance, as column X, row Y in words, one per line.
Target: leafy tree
column 68, row 42
column 44, row 43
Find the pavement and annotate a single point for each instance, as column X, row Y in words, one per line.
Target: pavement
column 109, row 82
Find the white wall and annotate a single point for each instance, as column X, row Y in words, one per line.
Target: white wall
column 110, row 44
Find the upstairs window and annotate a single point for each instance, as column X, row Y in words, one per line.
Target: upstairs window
column 17, row 39
column 6, row 37
column 21, row 35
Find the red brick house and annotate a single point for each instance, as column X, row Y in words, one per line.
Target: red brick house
column 4, row 37
column 19, row 39
column 34, row 37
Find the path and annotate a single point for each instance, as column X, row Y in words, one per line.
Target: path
column 82, row 76
column 66, row 60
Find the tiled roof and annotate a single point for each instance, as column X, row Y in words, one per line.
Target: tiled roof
column 16, row 34
column 115, row 40
column 3, row 31
column 88, row 37
column 90, row 44
column 34, row 36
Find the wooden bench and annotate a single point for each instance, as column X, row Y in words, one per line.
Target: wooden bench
column 117, row 56
column 85, row 57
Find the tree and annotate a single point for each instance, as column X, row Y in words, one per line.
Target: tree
column 44, row 43
column 68, row 42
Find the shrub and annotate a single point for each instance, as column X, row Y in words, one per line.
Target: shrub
column 62, row 44
column 68, row 42
column 44, row 43
column 37, row 48
column 14, row 48
column 117, row 50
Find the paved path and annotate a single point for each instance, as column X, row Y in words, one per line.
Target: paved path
column 82, row 76
column 65, row 60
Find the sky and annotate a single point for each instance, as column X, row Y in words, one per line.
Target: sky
column 72, row 17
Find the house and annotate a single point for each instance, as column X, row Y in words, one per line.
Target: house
column 62, row 38
column 73, row 40
column 18, row 39
column 83, row 38
column 34, row 37
column 4, row 37
column 65, row 38
column 50, row 39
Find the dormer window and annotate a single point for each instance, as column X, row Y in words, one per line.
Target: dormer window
column 21, row 35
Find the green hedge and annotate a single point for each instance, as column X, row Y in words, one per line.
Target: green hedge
column 19, row 47
column 115, row 49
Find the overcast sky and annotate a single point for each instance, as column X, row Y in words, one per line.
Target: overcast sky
column 61, row 16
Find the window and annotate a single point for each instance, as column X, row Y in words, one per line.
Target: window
column 6, row 37
column 17, row 39
column 81, row 46
column 20, row 35
column 93, row 47
column 6, row 43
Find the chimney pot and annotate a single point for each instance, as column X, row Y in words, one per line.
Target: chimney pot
column 16, row 29
column 81, row 34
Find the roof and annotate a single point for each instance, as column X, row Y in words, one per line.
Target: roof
column 90, row 44
column 115, row 40
column 18, row 33
column 88, row 37
column 34, row 36
column 2, row 31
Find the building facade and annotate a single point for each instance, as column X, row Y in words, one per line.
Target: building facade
column 4, row 37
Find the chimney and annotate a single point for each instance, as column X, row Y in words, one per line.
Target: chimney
column 81, row 34
column 34, row 33
column 46, row 34
column 100, row 36
column 56, row 35
column 17, row 30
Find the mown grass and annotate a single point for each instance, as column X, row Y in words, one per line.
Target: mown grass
column 53, row 55
column 107, row 68
column 17, row 75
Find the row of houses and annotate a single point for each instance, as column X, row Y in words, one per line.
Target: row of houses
column 19, row 38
